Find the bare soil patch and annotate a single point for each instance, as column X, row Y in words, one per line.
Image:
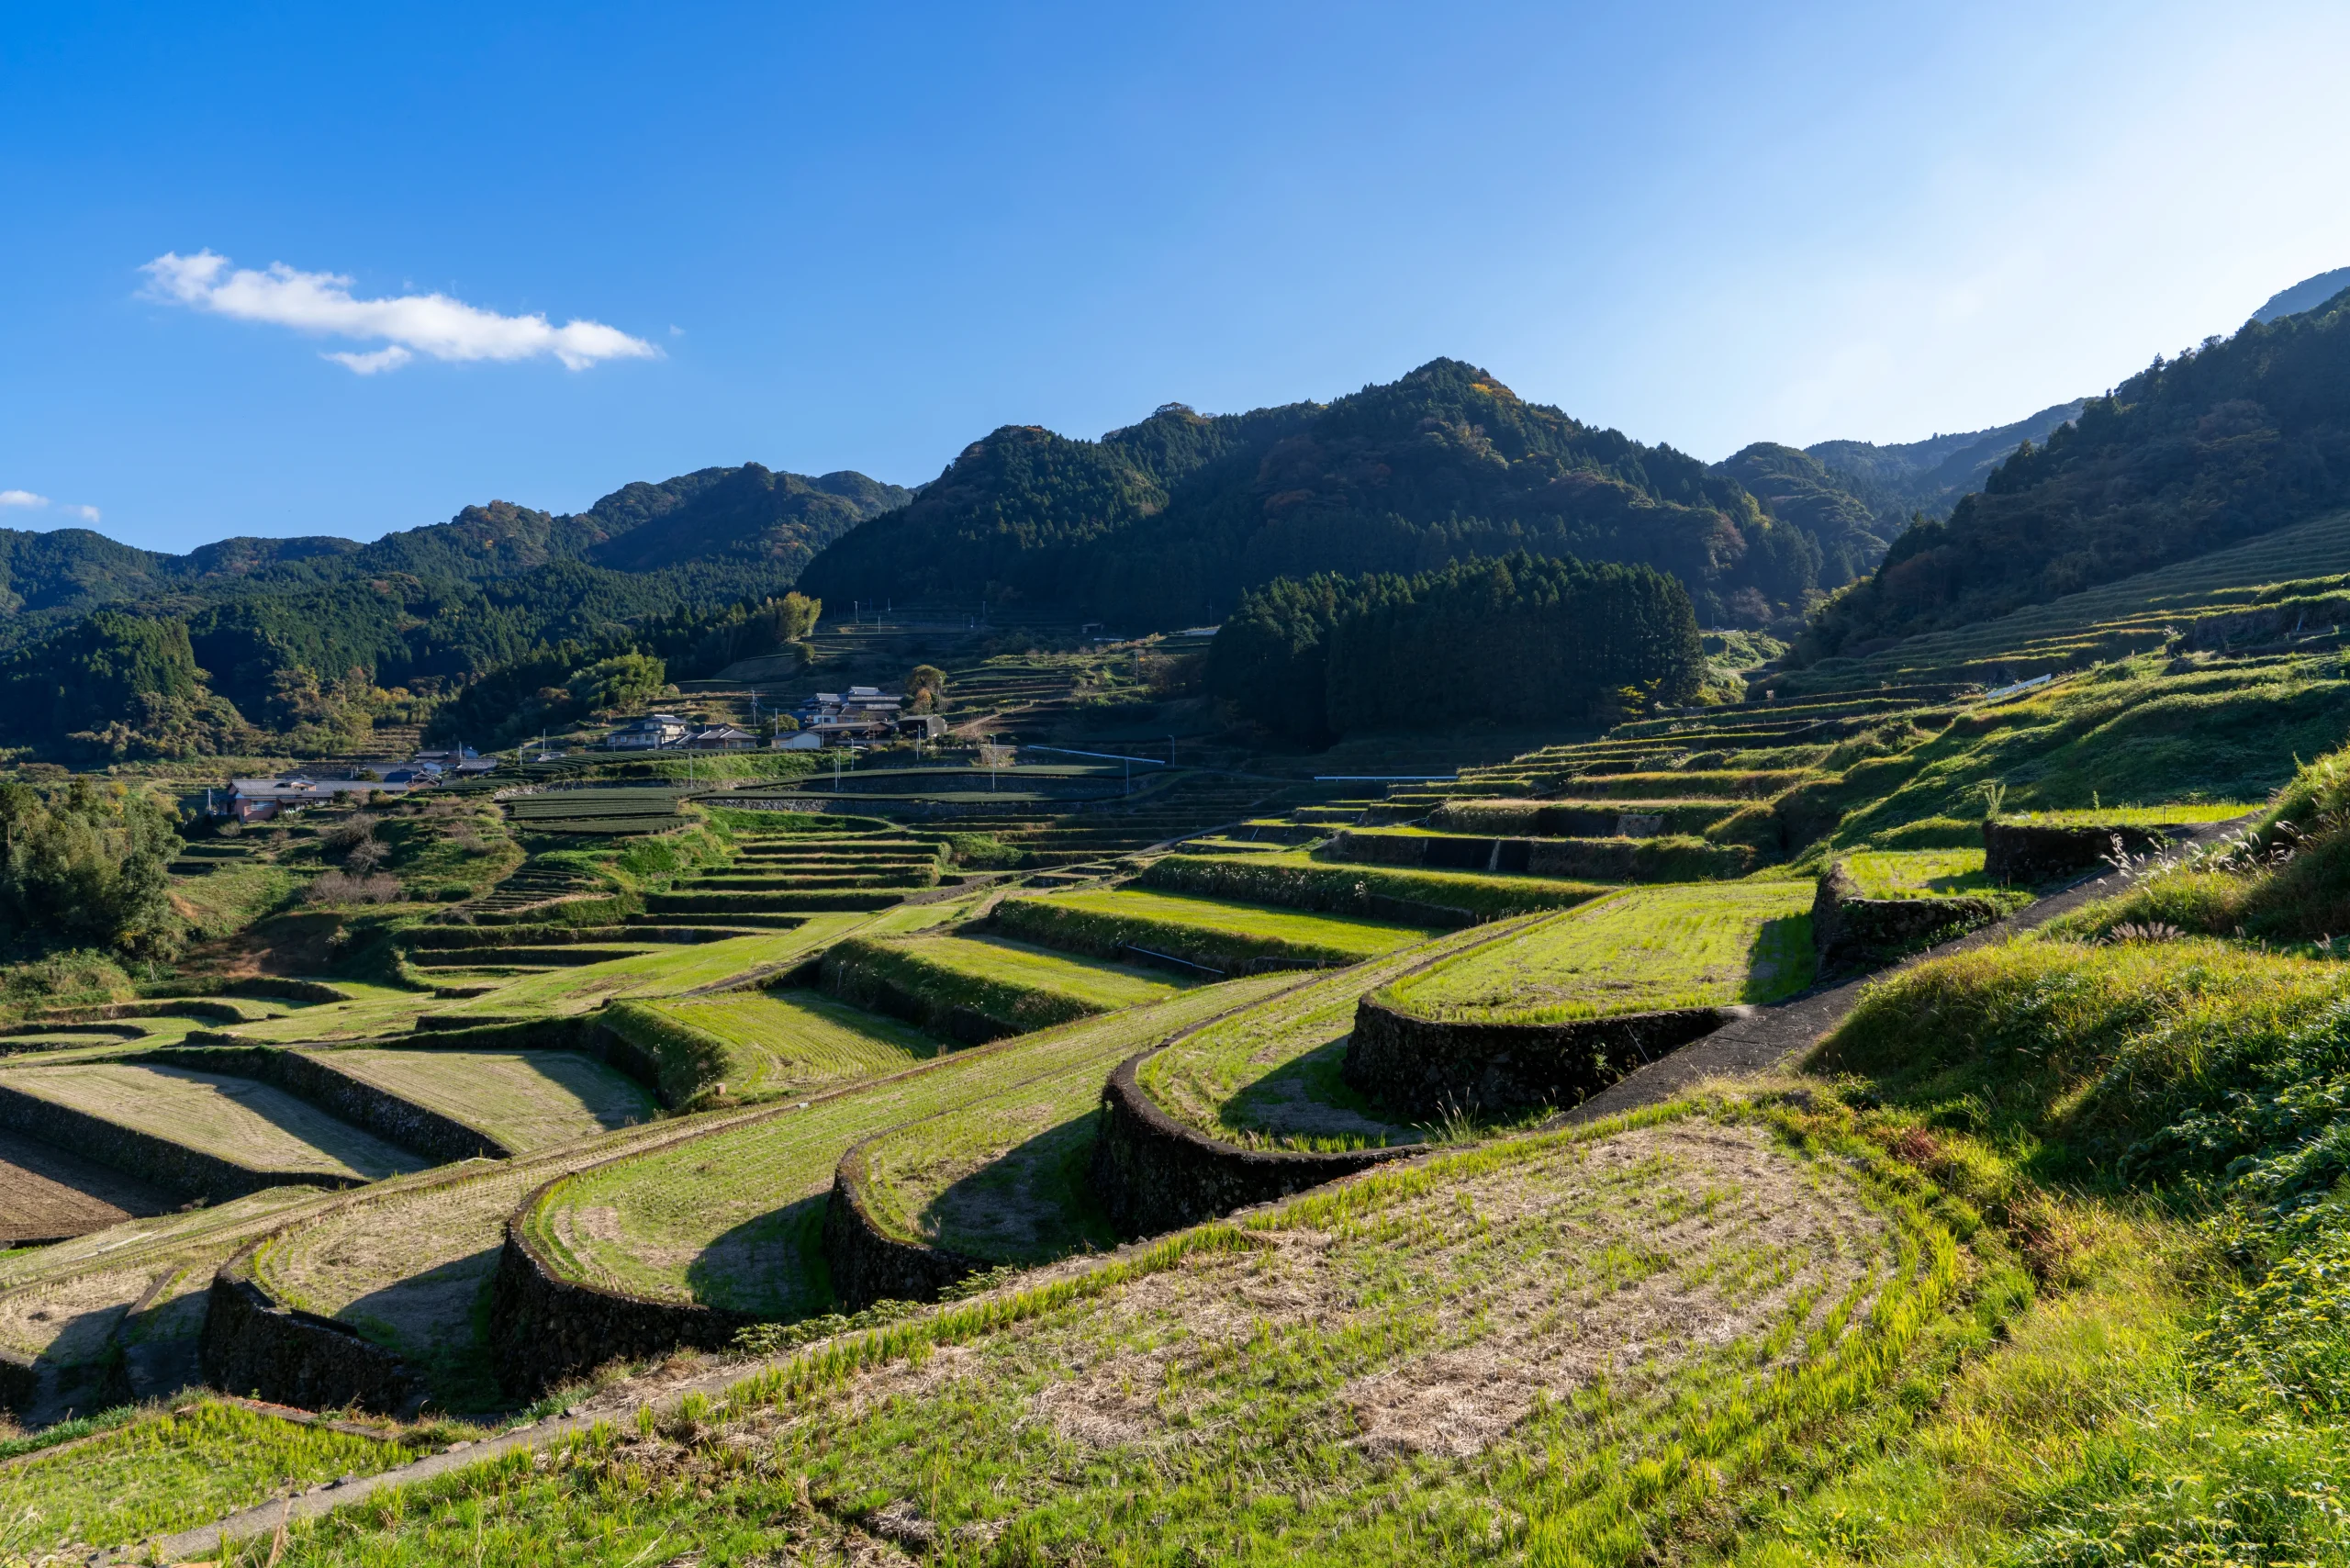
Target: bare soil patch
column 47, row 1193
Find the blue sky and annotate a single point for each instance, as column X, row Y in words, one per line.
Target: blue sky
column 860, row 237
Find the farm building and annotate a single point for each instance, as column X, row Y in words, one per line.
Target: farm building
column 258, row 800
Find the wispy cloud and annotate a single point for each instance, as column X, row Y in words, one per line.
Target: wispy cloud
column 32, row 502
column 407, row 324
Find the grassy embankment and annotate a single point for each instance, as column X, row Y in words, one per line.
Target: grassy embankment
column 1642, row 950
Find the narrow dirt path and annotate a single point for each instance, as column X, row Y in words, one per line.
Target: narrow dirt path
column 1770, row 1036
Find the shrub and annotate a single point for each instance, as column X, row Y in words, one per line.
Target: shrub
column 341, row 886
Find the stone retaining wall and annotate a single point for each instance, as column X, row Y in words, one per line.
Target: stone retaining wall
column 353, row 1099
column 1426, row 1068
column 1152, row 1173
column 2022, row 853
column 868, row 1265
column 19, row 1383
column 546, row 1331
column 255, row 1345
column 173, row 1167
column 1848, row 929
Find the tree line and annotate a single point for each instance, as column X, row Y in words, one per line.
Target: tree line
column 1522, row 639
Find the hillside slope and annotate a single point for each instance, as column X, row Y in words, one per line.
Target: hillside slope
column 2224, row 443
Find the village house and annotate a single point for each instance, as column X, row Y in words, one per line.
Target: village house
column 720, row 737
column 652, row 732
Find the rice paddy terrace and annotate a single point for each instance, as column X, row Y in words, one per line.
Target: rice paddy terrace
column 698, row 1069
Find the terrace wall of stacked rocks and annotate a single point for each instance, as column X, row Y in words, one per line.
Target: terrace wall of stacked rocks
column 1151, row 1173
column 867, row 1263
column 1426, row 1068
column 1849, row 929
column 253, row 1344
column 545, row 1329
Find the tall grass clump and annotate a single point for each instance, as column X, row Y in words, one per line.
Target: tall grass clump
column 2287, row 880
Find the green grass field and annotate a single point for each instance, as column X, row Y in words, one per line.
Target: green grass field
column 797, row 1042
column 732, row 1219
column 2135, row 816
column 1920, row 873
column 1268, row 1077
column 235, row 1119
column 1202, row 930
column 525, row 1099
column 1643, row 950
column 168, row 1472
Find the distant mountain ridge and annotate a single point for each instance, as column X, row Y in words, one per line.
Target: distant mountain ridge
column 2244, row 436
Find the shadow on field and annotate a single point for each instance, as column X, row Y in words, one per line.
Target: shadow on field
column 1030, row 1204
column 772, row 1265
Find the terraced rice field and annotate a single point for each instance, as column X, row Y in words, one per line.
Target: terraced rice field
column 733, row 1219
column 1513, row 1352
column 1204, row 930
column 1269, row 1077
column 408, row 1263
column 2109, row 621
column 798, row 1042
column 1011, row 985
column 1921, row 873
column 2137, row 816
column 524, row 1099
column 1642, row 950
column 65, row 1306
column 168, row 1471
column 235, row 1119
column 1296, row 879
column 623, row 810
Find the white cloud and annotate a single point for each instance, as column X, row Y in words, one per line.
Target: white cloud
column 22, row 498
column 410, row 324
column 87, row 514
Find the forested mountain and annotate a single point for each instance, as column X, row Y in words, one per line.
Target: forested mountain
column 1170, row 521
column 2241, row 436
column 309, row 638
column 1930, row 475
